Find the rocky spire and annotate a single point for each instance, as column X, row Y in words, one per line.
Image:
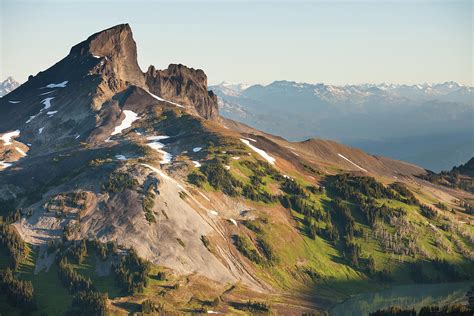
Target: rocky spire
column 117, row 45
column 184, row 85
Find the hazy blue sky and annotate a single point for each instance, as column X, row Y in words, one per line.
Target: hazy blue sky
column 334, row 42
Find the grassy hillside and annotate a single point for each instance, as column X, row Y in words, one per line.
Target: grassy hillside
column 342, row 233
column 307, row 237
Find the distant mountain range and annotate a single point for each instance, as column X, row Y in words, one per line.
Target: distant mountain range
column 427, row 124
column 123, row 191
column 8, row 85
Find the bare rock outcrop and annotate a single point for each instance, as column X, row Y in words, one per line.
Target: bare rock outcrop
column 117, row 46
column 183, row 85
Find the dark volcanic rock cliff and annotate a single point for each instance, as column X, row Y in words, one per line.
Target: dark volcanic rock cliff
column 183, row 85
column 93, row 75
column 115, row 44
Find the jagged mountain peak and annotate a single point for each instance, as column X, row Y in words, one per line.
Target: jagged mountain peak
column 185, row 85
column 118, row 38
column 116, row 44
column 93, row 73
column 93, row 149
column 8, row 85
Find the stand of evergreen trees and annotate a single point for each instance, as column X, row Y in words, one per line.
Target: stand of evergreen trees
column 89, row 303
column 132, row 272
column 19, row 292
column 11, row 240
column 149, row 307
column 87, row 300
column 71, row 279
column 215, row 173
column 446, row 310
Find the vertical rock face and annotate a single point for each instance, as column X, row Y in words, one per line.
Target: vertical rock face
column 183, row 85
column 96, row 70
column 118, row 47
column 178, row 83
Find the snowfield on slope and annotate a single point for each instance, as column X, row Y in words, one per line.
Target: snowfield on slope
column 4, row 165
column 163, row 100
column 45, row 93
column 352, row 163
column 7, row 137
column 262, row 153
column 130, row 117
column 47, row 103
column 57, row 85
column 156, row 145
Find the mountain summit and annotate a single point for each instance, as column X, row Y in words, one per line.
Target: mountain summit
column 94, row 85
column 117, row 45
column 126, row 191
column 8, row 85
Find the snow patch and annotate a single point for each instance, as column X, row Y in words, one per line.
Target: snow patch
column 160, row 137
column 130, row 117
column 57, row 85
column 197, row 164
column 295, row 154
column 196, row 149
column 77, row 136
column 51, row 113
column 352, row 162
column 30, row 119
column 262, row 153
column 47, row 103
column 7, row 137
column 45, row 93
column 251, row 139
column 227, row 167
column 14, row 102
column 163, row 100
column 4, row 165
column 213, row 213
column 233, row 221
column 40, row 130
column 20, row 151
column 156, row 145
column 236, row 158
column 120, row 157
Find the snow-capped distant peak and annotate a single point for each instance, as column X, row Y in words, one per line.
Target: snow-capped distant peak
column 230, row 89
column 355, row 93
column 8, row 85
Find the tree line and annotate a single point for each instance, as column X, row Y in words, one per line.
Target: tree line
column 16, row 247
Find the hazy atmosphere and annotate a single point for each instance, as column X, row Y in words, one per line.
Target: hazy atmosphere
column 335, row 42
column 236, row 158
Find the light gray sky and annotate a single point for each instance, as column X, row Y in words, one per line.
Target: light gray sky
column 335, row 42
